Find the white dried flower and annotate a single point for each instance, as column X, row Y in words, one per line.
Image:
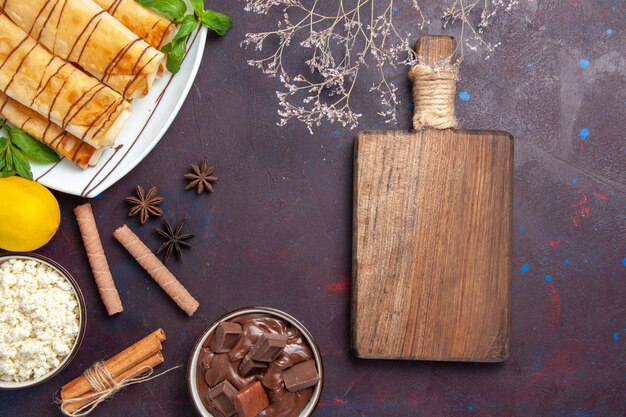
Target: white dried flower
column 339, row 43
column 463, row 10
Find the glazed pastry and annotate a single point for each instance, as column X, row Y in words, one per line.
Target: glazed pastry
column 145, row 23
column 39, row 127
column 81, row 32
column 57, row 90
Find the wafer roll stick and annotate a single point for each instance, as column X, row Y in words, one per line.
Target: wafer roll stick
column 148, row 261
column 97, row 259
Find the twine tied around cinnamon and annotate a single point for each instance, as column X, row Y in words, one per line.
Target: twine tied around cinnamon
column 434, row 88
column 105, row 386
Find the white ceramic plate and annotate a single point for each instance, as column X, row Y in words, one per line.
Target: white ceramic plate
column 151, row 117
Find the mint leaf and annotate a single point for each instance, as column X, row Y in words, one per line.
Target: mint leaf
column 167, row 48
column 176, row 55
column 184, row 30
column 4, row 143
column 217, row 22
column 31, row 147
column 7, row 160
column 198, row 6
column 175, row 9
column 8, row 156
column 7, row 172
column 22, row 167
column 177, row 47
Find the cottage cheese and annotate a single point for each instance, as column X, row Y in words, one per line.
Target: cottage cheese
column 39, row 319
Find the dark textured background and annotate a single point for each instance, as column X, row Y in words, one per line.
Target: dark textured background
column 277, row 230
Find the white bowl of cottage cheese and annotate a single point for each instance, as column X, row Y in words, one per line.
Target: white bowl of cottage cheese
column 42, row 319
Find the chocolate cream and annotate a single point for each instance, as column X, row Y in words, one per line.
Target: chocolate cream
column 216, row 367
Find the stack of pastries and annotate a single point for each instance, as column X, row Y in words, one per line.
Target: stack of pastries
column 70, row 68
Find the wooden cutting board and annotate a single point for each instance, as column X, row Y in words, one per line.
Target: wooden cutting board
column 432, row 240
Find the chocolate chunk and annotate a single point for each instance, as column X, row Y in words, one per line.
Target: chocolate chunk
column 268, row 347
column 206, row 356
column 218, row 371
column 222, row 369
column 213, row 376
column 208, row 404
column 251, row 401
column 249, row 365
column 221, row 398
column 301, row 376
column 225, row 337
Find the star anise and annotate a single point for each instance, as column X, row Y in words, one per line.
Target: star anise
column 201, row 177
column 145, row 204
column 174, row 240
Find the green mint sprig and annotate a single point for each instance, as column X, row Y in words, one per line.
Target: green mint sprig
column 17, row 148
column 175, row 10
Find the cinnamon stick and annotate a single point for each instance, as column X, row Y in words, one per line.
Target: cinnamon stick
column 148, row 261
column 132, row 372
column 97, row 259
column 140, row 368
column 123, row 361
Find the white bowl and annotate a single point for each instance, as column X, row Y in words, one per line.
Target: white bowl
column 192, row 365
column 82, row 316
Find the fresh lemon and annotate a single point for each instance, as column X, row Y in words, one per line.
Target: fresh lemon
column 29, row 214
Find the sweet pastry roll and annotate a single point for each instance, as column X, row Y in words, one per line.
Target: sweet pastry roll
column 145, row 23
column 31, row 122
column 81, row 32
column 58, row 90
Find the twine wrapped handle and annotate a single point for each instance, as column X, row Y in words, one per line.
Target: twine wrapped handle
column 434, row 83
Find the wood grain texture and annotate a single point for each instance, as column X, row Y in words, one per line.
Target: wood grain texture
column 434, row 49
column 432, row 245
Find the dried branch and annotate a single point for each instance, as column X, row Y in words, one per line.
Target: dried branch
column 472, row 34
column 352, row 35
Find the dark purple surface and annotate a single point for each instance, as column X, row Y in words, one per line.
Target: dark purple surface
column 277, row 230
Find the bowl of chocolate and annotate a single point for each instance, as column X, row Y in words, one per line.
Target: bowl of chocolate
column 255, row 361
